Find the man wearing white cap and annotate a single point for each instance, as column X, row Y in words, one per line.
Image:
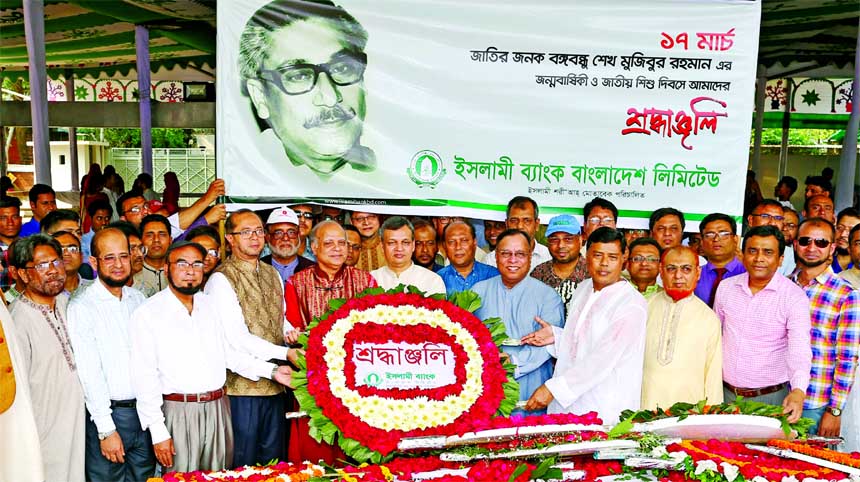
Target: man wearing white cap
column 282, row 237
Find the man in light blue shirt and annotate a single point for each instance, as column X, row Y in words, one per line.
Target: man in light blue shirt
column 117, row 448
column 461, row 246
column 518, row 299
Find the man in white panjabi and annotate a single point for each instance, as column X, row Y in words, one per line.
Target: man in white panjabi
column 39, row 317
column 683, row 345
column 19, row 438
column 601, row 348
column 398, row 244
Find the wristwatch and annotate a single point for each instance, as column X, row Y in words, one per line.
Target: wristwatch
column 104, row 435
column 274, row 370
column 834, row 411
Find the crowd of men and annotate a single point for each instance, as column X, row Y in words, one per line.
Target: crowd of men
column 140, row 344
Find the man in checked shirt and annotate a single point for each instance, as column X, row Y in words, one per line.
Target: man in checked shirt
column 835, row 309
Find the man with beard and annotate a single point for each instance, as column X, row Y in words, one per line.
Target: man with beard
column 427, row 246
column 308, row 294
column 599, row 351
column 643, row 265
column 39, row 316
column 835, row 310
column 117, row 447
column 179, row 356
column 464, row 270
column 155, row 234
column 765, row 318
column 207, row 236
column 282, row 237
column 683, row 343
column 720, row 244
column 566, row 269
column 353, row 244
column 72, row 261
column 372, row 255
column 521, row 302
column 135, row 246
column 249, row 298
column 845, row 221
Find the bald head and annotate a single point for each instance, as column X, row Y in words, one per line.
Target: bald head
column 679, row 270
column 104, row 237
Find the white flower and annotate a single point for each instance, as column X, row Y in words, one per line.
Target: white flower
column 659, row 451
column 730, row 471
column 759, row 478
column 789, row 479
column 703, row 465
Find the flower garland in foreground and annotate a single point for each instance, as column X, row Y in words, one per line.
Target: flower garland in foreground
column 276, row 472
column 366, row 421
column 851, row 460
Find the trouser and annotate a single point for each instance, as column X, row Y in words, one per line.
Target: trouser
column 815, row 415
column 139, row 457
column 202, row 435
column 259, row 429
column 774, row 398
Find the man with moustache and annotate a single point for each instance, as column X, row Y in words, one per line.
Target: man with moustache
column 464, row 270
column 600, row 350
column 282, row 237
column 852, row 274
column 249, row 298
column 135, row 246
column 208, row 237
column 521, row 302
column 789, row 225
column 522, row 214
column 117, row 447
column 353, row 244
column 683, row 344
column 42, row 335
column 399, row 243
column 427, row 247
column 155, row 234
column 372, row 255
column 835, row 312
column 667, row 227
column 720, row 244
column 819, row 206
column 845, row 221
column 306, row 215
column 308, row 294
column 771, row 213
column 179, row 356
column 72, row 262
column 765, row 318
column 643, row 265
column 566, row 269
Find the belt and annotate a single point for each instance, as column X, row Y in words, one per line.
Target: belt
column 123, row 404
column 196, row 397
column 755, row 392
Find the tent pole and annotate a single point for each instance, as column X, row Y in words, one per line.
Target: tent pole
column 848, row 159
column 73, row 133
column 786, row 128
column 761, row 83
column 34, row 31
column 144, row 86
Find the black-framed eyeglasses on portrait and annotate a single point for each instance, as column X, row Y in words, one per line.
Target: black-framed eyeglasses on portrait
column 346, row 68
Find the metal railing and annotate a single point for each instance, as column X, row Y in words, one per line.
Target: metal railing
column 194, row 167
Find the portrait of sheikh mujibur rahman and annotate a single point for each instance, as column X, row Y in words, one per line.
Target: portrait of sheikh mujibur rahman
column 302, row 66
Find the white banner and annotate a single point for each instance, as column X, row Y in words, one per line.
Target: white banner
column 403, row 365
column 455, row 107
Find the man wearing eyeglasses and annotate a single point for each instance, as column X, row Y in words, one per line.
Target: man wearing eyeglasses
column 766, row 328
column 208, row 237
column 643, row 265
column 835, row 310
column 72, row 260
column 772, row 213
column 118, row 448
column 249, row 296
column 282, row 237
column 372, row 256
column 683, row 344
column 522, row 214
column 302, row 66
column 42, row 335
column 720, row 244
column 306, row 214
column 845, row 221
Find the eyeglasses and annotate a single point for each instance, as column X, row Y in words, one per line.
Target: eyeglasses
column 363, row 219
column 645, row 259
column 346, row 69
column 247, row 233
column 767, row 217
column 138, row 248
column 71, row 249
column 841, row 227
column 332, row 243
column 280, row 233
column 604, row 221
column 137, row 209
column 518, row 255
column 44, row 266
column 182, row 264
column 711, row 235
column 789, row 225
column 304, row 214
column 354, row 247
column 819, row 242
column 112, row 258
column 213, row 253
column 685, row 269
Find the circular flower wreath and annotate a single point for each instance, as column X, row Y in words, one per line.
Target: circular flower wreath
column 369, row 421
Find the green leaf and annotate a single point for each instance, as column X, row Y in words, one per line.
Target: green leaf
column 519, row 471
column 622, row 428
column 467, row 300
column 540, row 471
column 334, row 304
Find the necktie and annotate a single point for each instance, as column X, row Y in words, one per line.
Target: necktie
column 720, row 272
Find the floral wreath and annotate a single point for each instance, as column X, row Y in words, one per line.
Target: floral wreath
column 366, row 421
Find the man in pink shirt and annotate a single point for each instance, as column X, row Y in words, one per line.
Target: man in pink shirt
column 766, row 328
